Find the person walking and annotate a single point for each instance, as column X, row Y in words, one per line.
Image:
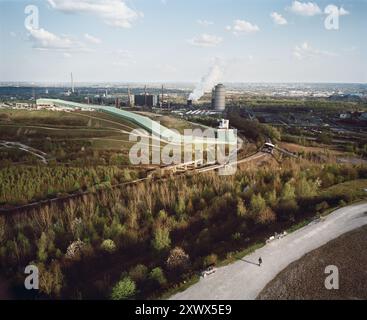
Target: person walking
column 260, row 262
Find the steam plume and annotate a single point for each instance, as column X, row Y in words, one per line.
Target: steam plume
column 207, row 82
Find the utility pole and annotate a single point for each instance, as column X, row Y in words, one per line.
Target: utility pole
column 162, row 96
column 145, row 96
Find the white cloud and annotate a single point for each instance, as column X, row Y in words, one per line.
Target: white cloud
column 205, row 40
column 305, row 8
column 205, row 23
column 43, row 39
column 92, row 39
column 343, row 12
column 242, row 27
column 278, row 19
column 113, row 12
column 305, row 51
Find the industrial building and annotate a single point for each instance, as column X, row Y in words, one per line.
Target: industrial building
column 219, row 97
column 146, row 100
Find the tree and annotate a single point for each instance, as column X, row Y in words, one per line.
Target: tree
column 305, row 188
column 124, row 289
column 271, row 198
column 42, row 248
column 258, row 203
column 158, row 276
column 180, row 207
column 51, row 279
column 161, row 239
column 178, row 259
column 210, row 260
column 288, row 192
column 266, row 216
column 241, row 208
column 138, row 273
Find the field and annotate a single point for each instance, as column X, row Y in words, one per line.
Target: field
column 304, row 279
column 69, row 138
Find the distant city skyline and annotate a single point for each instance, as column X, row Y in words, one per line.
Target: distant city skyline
column 172, row 41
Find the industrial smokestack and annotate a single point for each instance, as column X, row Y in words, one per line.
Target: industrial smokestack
column 162, row 95
column 72, row 82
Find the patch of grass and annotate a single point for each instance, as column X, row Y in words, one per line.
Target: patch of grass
column 180, row 287
column 354, row 189
column 237, row 255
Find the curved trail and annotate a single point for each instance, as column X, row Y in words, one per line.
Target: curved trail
column 244, row 279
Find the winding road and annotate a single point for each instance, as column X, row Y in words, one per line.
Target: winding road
column 244, row 279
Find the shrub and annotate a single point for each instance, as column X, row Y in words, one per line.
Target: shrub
column 210, row 260
column 139, row 273
column 158, row 276
column 321, row 207
column 161, row 239
column 108, row 245
column 124, row 289
column 241, row 208
column 266, row 216
column 178, row 259
column 258, row 203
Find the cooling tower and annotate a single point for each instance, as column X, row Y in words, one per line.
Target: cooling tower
column 220, row 98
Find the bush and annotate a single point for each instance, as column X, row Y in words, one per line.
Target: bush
column 258, row 203
column 266, row 216
column 108, row 245
column 321, row 207
column 139, row 273
column 210, row 260
column 123, row 289
column 178, row 259
column 158, row 276
column 241, row 208
column 161, row 239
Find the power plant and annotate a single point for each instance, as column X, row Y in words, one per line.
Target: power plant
column 218, row 99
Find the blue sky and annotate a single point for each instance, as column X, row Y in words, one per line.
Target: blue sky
column 180, row 40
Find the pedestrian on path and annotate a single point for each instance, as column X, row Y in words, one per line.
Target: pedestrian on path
column 260, row 262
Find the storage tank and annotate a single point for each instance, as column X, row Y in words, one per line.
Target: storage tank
column 220, row 97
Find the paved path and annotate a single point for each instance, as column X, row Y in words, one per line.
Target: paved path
column 244, row 280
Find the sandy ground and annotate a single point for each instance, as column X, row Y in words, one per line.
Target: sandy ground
column 304, row 279
column 244, row 279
